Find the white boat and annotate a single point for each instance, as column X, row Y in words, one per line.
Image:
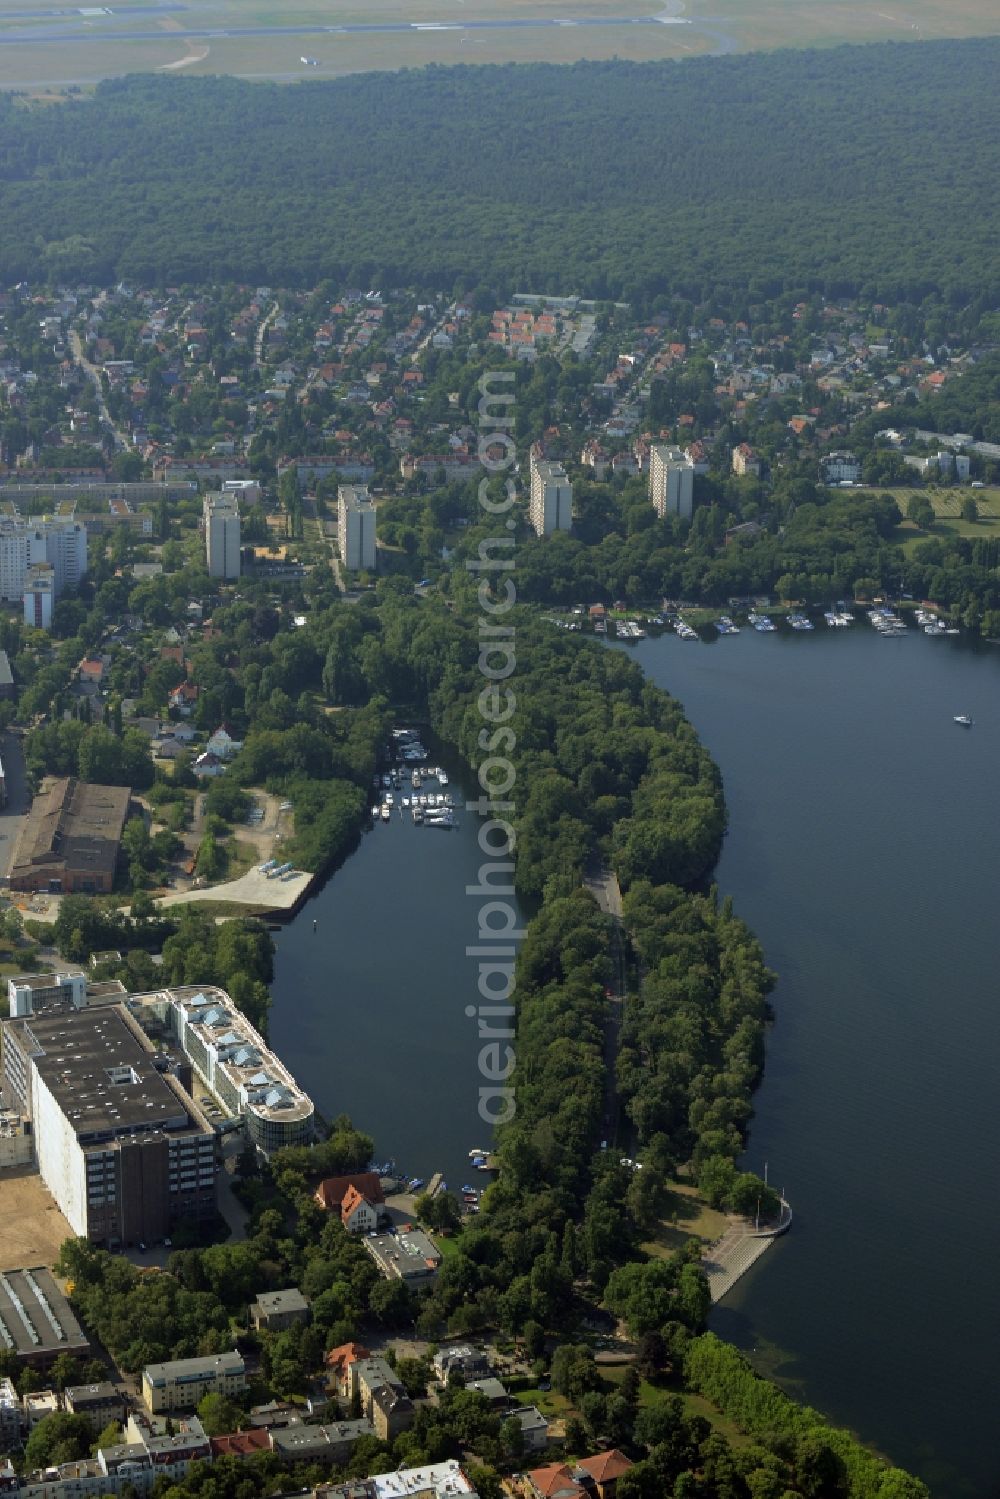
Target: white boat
column 388, row 798
column 406, row 801
column 477, row 1152
column 965, row 719
column 416, row 813
column 386, row 811
column 442, row 777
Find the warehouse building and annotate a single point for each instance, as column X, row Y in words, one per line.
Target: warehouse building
column 71, row 838
column 36, row 1320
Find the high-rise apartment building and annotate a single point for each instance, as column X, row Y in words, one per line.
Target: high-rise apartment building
column 551, row 501
column 38, row 597
column 671, row 481
column 221, row 519
column 57, row 544
column 356, row 527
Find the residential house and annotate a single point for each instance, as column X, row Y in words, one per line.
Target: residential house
column 339, row 1361
column 208, row 765
column 463, row 1359
column 276, row 1310
column 182, row 699
column 745, row 461
column 223, row 744
column 331, row 1192
column 384, row 1401
column 358, row 1215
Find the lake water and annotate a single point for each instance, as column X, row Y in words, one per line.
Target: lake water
column 369, row 1009
column 863, row 851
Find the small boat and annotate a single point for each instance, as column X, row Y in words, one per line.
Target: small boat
column 406, row 801
column 415, row 1183
column 388, row 798
column 386, row 811
column 467, row 1188
column 965, row 719
column 442, row 777
column 416, row 813
column 478, row 1154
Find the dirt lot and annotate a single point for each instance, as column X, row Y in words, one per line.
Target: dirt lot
column 31, row 1226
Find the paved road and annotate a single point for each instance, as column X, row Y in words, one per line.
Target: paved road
column 93, row 374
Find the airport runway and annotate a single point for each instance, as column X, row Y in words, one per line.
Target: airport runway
column 205, row 33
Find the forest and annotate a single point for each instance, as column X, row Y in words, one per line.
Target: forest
column 857, row 168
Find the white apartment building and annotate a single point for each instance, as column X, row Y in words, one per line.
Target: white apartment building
column 356, row 527
column 221, row 519
column 551, row 502
column 59, row 544
column 671, row 481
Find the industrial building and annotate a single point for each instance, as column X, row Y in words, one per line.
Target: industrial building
column 71, row 838
column 36, row 1320
column 120, row 1144
column 221, row 518
column 671, row 481
column 356, row 527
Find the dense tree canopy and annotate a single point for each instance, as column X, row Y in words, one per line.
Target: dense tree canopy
column 807, row 168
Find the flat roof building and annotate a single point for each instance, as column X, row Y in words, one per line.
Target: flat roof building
column 221, row 518
column 36, row 1321
column 276, row 1310
column 409, row 1255
column 235, row 1063
column 356, row 527
column 671, row 481
column 121, row 1146
column 98, row 1403
column 180, row 1383
column 551, row 501
column 71, row 838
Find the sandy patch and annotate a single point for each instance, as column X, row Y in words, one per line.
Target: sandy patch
column 197, row 55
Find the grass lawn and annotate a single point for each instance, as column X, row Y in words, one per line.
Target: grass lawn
column 687, row 1217
column 652, row 1394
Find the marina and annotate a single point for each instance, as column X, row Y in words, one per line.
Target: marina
column 370, row 1005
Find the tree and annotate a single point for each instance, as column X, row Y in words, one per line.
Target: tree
column 218, row 1414
column 920, row 511
column 59, row 1438
column 970, row 510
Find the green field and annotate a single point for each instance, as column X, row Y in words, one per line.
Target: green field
column 947, row 506
column 70, row 51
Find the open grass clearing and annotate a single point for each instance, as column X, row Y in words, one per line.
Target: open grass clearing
column 688, row 1217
